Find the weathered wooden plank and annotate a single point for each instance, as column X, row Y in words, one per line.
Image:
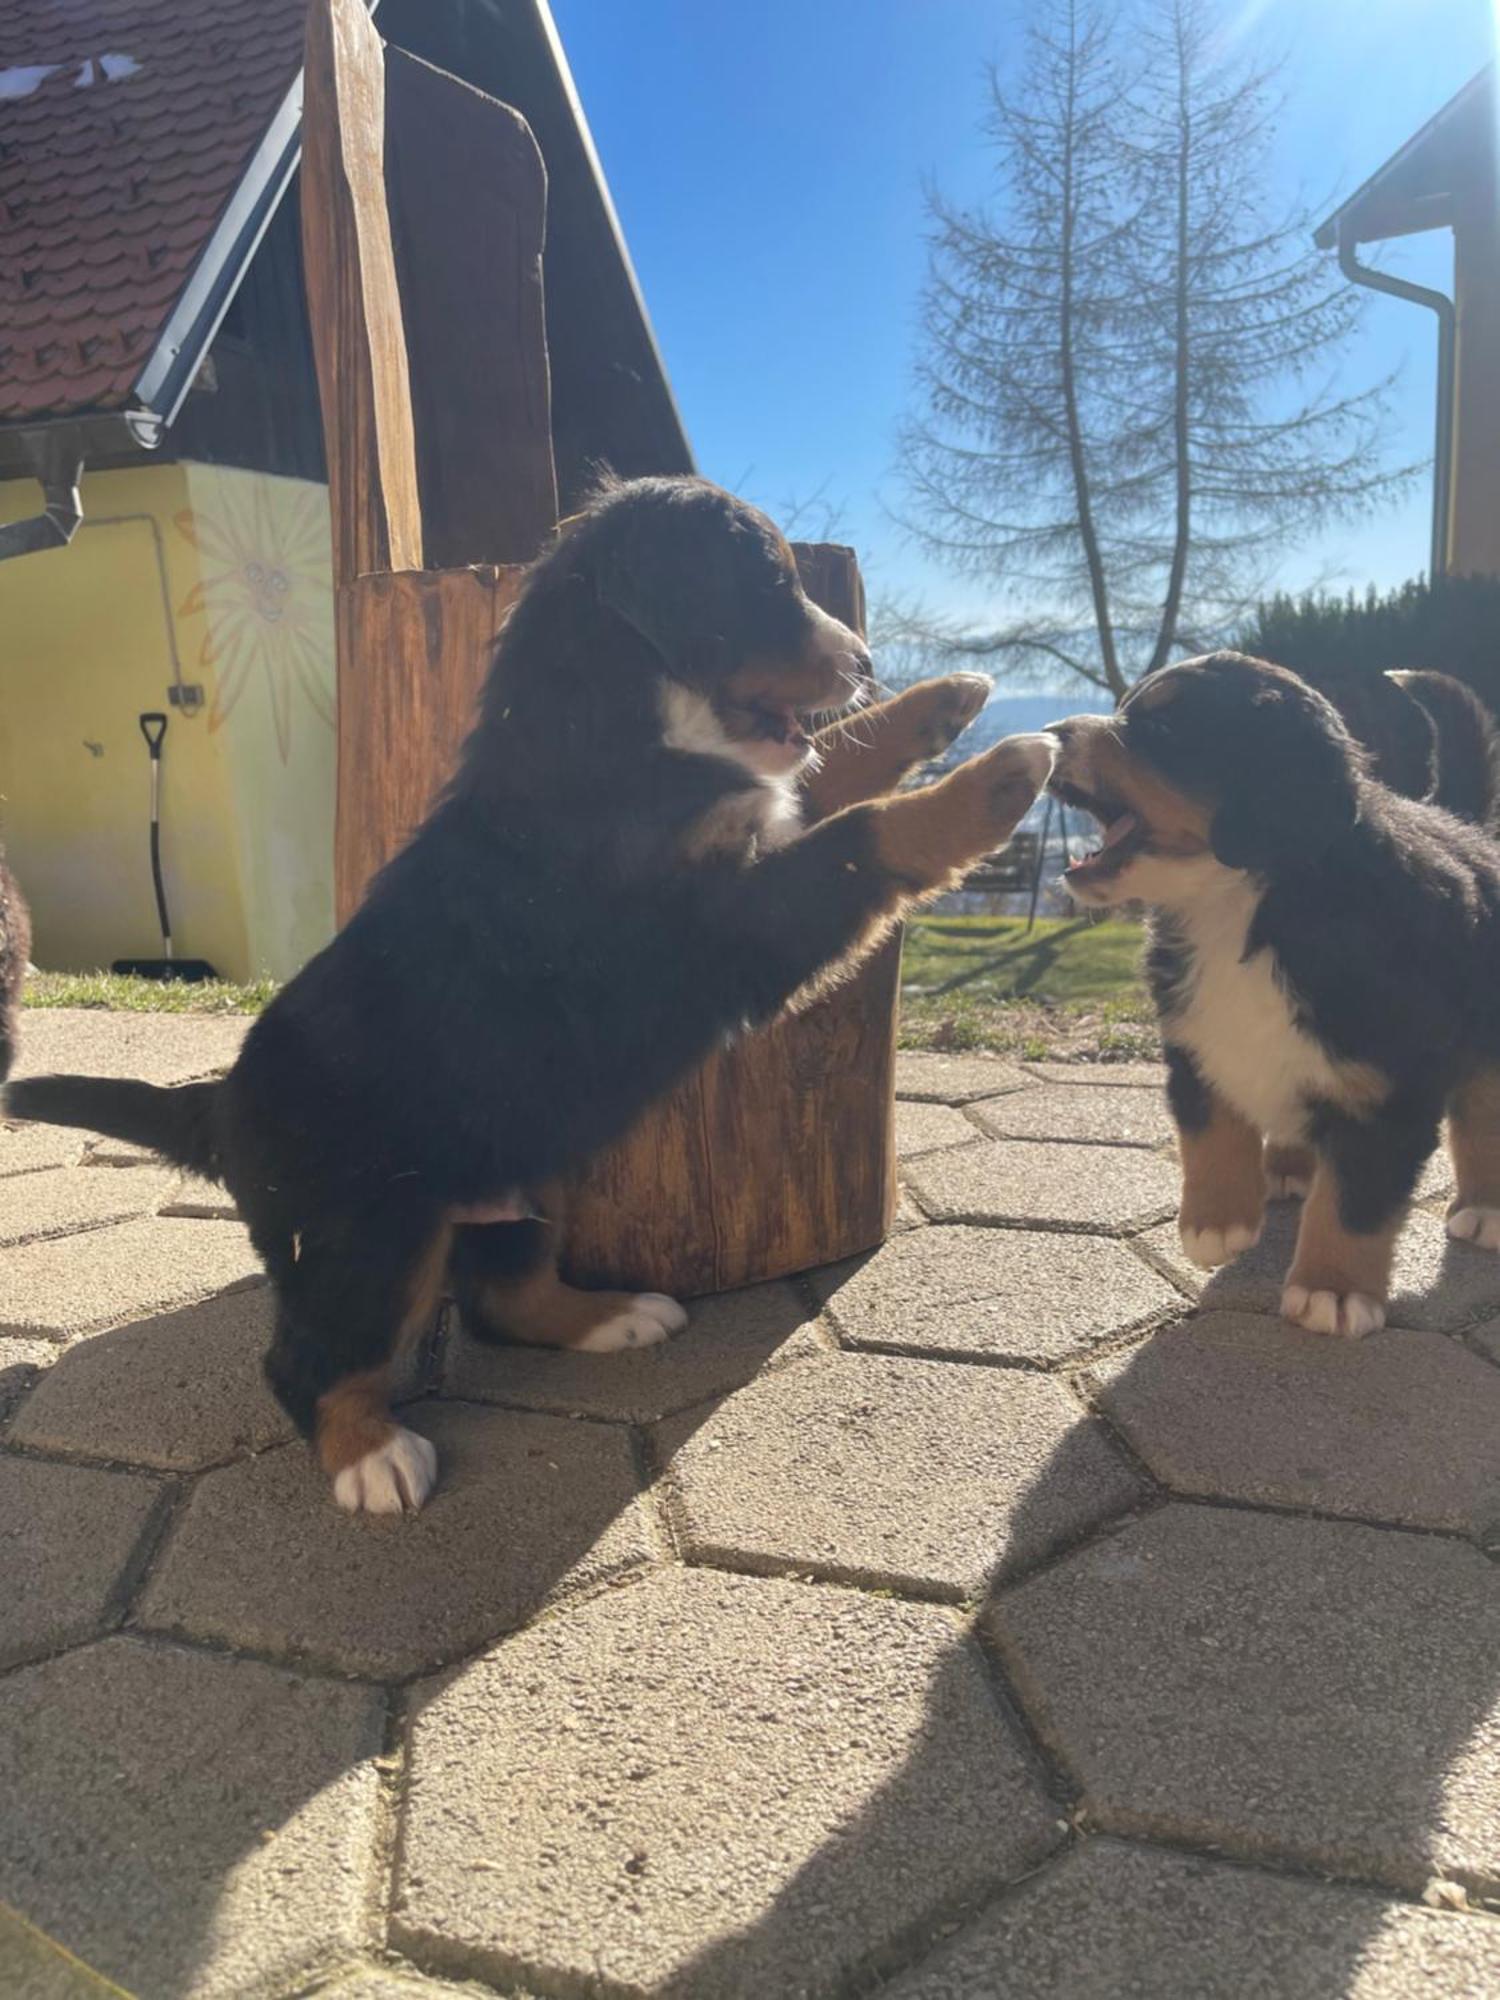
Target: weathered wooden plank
column 468, row 195
column 353, row 302
column 780, row 1153
column 413, row 648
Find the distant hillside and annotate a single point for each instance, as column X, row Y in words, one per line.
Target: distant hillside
column 1015, row 714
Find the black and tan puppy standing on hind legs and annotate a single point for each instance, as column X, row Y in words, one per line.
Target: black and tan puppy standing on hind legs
column 616, row 880
column 1325, row 960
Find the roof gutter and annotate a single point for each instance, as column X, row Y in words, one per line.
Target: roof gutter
column 54, row 454
column 1447, row 319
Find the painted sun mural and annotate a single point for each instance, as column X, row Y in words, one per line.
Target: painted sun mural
column 265, row 587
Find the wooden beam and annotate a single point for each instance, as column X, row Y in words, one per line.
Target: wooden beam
column 413, row 651
column 468, row 196
column 353, row 302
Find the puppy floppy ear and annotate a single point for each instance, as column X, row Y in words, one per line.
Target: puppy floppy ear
column 1296, row 788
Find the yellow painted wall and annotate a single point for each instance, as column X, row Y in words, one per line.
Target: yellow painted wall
column 220, row 578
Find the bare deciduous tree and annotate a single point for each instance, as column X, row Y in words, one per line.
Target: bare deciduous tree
column 1130, row 403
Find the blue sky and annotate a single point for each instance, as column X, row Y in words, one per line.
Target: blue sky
column 768, row 158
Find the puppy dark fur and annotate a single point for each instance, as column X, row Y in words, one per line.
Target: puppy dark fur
column 1465, row 743
column 1428, row 736
column 1325, row 956
column 616, row 880
column 15, row 952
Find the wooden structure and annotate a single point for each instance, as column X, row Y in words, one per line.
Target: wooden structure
column 424, row 208
column 1445, row 177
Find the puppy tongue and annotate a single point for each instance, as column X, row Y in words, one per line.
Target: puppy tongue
column 1118, row 829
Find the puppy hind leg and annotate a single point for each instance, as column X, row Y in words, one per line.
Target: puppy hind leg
column 506, row 1282
column 1340, row 1278
column 1474, row 1143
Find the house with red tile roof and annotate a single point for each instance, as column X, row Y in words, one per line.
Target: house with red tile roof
column 163, row 517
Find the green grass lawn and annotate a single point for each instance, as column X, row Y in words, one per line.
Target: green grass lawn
column 1070, row 988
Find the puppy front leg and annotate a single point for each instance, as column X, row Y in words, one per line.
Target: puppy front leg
column 1367, row 1168
column 1223, row 1187
column 867, row 754
column 828, row 897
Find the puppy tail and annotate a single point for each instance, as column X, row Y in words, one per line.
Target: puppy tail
column 179, row 1121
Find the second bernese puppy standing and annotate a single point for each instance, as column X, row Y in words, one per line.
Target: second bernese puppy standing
column 617, row 879
column 1325, row 960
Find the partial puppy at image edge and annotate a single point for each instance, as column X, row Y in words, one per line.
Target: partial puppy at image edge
column 15, row 953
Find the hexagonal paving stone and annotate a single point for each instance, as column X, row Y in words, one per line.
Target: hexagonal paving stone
column 67, row 1536
column 728, row 1340
column 1436, row 1284
column 68, row 1199
column 944, row 1079
column 1097, row 1115
column 77, row 1284
column 526, row 1509
column 908, row 1215
column 923, row 1128
column 180, row 1391
column 1399, row 1427
column 915, row 1474
column 1009, row 1293
column 21, row 1361
column 379, row 1982
column 1113, row 1919
column 1102, row 1188
column 771, row 1782
column 157, row 1048
column 1115, row 1076
column 202, row 1200
column 1317, row 1690
column 188, row 1825
column 33, row 1967
column 26, row 1149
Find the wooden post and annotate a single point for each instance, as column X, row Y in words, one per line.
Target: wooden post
column 470, row 194
column 353, row 302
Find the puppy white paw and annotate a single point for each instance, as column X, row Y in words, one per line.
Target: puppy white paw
column 1348, row 1315
column 1209, row 1248
column 647, row 1320
column 395, row 1478
column 1476, row 1225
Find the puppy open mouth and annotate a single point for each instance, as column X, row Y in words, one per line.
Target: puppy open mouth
column 1124, row 835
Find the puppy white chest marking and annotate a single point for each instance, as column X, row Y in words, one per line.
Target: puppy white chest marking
column 748, row 822
column 1235, row 1017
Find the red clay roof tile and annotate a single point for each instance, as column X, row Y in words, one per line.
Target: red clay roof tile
column 125, row 126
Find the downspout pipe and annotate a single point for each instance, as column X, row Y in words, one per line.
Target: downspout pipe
column 1447, row 375
column 62, row 511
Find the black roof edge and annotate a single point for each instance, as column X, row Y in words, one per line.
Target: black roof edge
column 26, row 442
column 611, row 215
column 1326, row 235
column 211, row 285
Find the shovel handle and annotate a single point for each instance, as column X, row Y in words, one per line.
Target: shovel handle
column 154, row 728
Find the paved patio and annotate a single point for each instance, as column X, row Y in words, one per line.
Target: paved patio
column 1004, row 1614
